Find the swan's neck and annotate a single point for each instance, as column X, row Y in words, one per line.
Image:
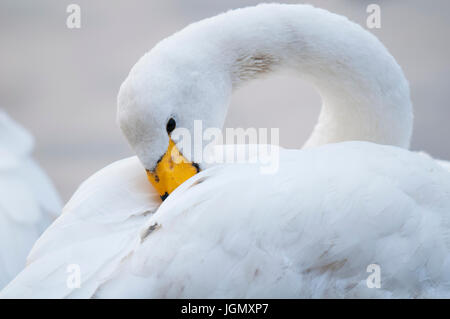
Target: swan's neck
column 364, row 92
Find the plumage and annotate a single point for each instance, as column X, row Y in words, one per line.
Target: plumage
column 444, row 164
column 28, row 201
column 310, row 230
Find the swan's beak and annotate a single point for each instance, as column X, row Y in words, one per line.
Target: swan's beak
column 172, row 170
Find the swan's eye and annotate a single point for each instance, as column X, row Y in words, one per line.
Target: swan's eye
column 171, row 124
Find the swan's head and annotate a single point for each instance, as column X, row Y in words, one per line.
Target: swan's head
column 161, row 95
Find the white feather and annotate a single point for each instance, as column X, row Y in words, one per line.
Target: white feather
column 310, row 230
column 28, row 201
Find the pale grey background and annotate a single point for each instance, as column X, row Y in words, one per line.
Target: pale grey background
column 62, row 84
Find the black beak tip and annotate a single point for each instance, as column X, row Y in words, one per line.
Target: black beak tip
column 163, row 197
column 197, row 167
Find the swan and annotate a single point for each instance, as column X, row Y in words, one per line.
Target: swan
column 353, row 197
column 28, row 200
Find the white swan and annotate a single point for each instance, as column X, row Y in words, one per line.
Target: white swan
column 28, row 201
column 310, row 230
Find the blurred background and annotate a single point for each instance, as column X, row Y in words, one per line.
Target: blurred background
column 61, row 84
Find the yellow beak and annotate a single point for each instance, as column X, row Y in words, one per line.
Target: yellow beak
column 171, row 171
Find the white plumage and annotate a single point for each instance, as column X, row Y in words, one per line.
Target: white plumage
column 309, row 230
column 28, row 201
column 444, row 164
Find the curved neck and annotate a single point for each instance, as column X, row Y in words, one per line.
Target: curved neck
column 364, row 92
